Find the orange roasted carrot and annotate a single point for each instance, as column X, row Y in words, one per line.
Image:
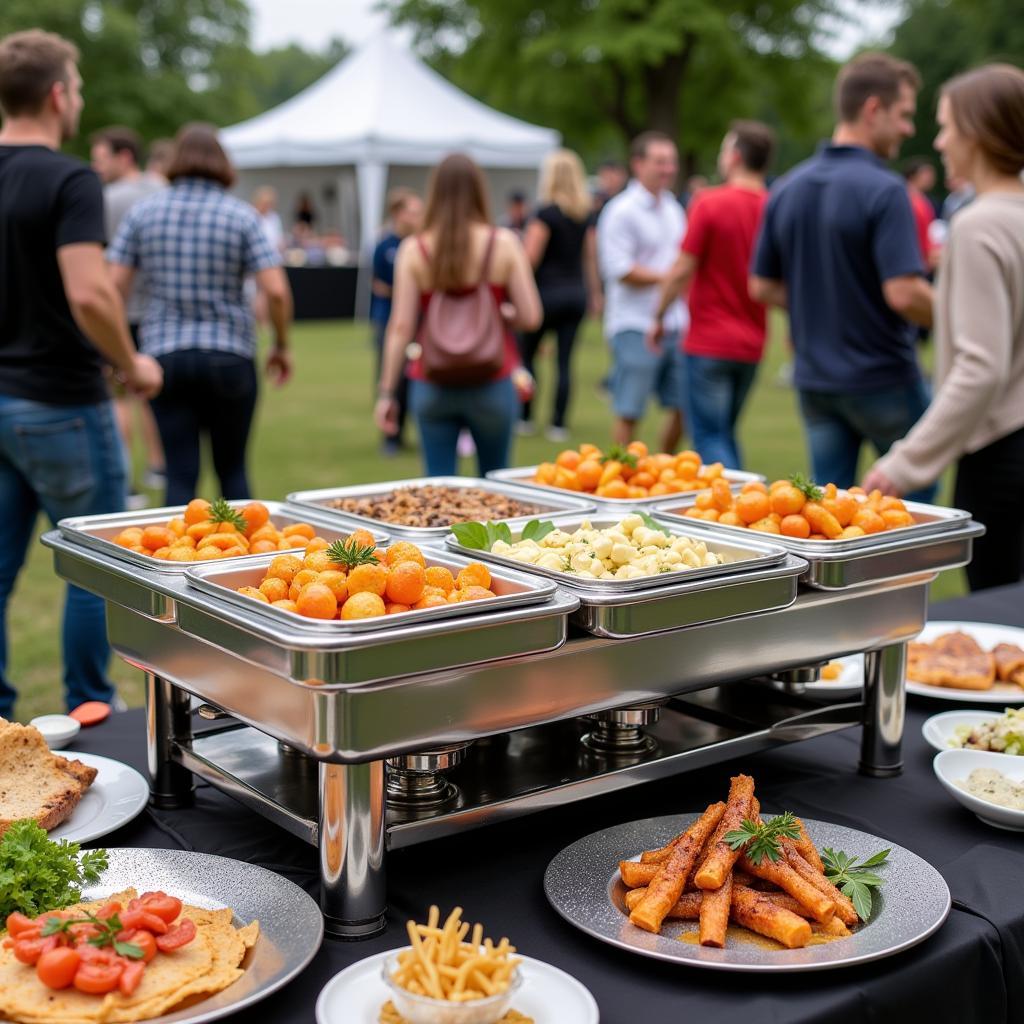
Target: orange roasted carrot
column 781, row 874
column 719, row 862
column 755, row 911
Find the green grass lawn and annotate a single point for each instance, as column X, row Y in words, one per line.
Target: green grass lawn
column 318, row 432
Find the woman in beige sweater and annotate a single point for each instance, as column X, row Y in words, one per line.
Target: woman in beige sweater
column 977, row 416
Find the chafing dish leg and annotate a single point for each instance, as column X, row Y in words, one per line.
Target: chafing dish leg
column 353, row 896
column 885, row 700
column 168, row 721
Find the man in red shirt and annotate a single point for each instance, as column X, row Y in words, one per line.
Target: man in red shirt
column 920, row 175
column 727, row 328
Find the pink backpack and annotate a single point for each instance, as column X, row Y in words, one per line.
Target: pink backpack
column 462, row 334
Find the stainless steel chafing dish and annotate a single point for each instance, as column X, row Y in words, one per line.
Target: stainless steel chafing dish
column 364, row 741
column 546, row 505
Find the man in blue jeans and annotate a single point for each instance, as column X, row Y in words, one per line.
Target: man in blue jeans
column 838, row 248
column 59, row 315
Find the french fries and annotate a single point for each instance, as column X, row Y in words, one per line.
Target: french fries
column 441, row 965
column 777, row 889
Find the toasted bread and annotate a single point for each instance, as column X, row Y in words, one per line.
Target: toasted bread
column 1009, row 663
column 34, row 783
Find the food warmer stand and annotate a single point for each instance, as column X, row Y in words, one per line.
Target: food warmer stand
column 360, row 742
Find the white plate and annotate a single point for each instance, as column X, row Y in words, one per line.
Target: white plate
column 850, row 681
column 953, row 766
column 116, row 797
column 987, row 635
column 548, row 994
column 939, row 729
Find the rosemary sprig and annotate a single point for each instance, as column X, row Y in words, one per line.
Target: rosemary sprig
column 222, row 512
column 812, row 492
column 350, row 553
column 761, row 839
column 853, row 879
column 108, row 929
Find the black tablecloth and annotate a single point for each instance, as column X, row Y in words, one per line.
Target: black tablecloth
column 972, row 969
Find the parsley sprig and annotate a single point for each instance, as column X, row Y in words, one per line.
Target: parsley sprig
column 619, row 454
column 107, row 928
column 812, row 492
column 222, row 512
column 762, row 839
column 854, row 879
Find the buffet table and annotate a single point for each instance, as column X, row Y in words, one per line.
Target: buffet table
column 971, row 970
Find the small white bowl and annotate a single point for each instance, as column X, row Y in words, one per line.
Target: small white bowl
column 57, row 730
column 939, row 729
column 426, row 1010
column 953, row 766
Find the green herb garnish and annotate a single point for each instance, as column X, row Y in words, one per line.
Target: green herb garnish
column 536, row 530
column 853, row 879
column 761, row 839
column 811, row 491
column 619, row 454
column 652, row 524
column 350, row 553
column 482, row 536
column 222, row 512
column 38, row 874
column 108, row 929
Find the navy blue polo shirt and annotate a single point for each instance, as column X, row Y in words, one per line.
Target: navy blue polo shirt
column 834, row 229
column 384, row 270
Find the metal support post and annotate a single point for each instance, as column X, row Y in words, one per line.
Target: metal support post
column 168, row 721
column 885, row 705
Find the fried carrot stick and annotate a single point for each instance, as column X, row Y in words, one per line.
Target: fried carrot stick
column 834, row 928
column 755, row 911
column 714, row 908
column 781, row 874
column 667, row 885
column 845, row 909
column 634, row 875
column 807, row 849
column 687, row 907
column 719, row 862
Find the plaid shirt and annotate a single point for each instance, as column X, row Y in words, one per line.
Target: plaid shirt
column 195, row 244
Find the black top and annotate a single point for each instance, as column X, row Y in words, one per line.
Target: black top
column 47, row 200
column 562, row 262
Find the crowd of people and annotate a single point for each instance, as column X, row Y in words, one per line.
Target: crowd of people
column 128, row 291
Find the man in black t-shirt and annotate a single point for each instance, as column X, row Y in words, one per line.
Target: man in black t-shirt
column 60, row 317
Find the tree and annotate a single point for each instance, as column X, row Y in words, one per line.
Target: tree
column 287, row 70
column 601, row 71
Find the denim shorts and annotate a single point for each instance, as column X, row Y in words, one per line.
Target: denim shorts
column 638, row 373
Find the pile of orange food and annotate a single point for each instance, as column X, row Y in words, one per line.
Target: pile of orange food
column 630, row 472
column 798, row 508
column 212, row 530
column 354, row 579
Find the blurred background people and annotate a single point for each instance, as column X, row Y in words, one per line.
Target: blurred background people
column 195, row 243
column 726, row 338
column 838, row 248
column 562, row 249
column 459, row 253
column 961, row 192
column 920, row 178
column 116, row 154
column 305, row 214
column 159, row 159
column 638, row 237
column 695, row 184
column 60, row 317
column 977, row 415
column 612, row 177
column 517, row 212
column 405, row 217
column 264, row 201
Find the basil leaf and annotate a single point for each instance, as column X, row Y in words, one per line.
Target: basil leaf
column 866, row 877
column 52, row 926
column 471, row 535
column 878, row 858
column 652, row 524
column 861, row 896
column 504, row 533
column 129, row 949
column 536, row 530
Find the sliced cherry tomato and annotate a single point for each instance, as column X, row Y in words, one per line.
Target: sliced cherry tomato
column 165, row 907
column 29, row 950
column 96, row 977
column 131, row 975
column 82, row 932
column 18, row 923
column 56, row 968
column 180, row 935
column 108, row 910
column 95, row 954
column 139, row 918
column 141, row 938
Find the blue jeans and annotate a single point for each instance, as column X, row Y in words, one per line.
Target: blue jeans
column 839, row 423
column 68, row 461
column 638, row 373
column 716, row 390
column 488, row 412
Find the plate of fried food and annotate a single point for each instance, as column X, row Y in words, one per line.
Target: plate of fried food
column 162, row 935
column 969, row 662
column 448, row 976
column 732, row 889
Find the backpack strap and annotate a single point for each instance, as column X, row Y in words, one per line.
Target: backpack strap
column 485, row 268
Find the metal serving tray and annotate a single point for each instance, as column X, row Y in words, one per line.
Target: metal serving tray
column 314, row 500
column 943, row 538
column 98, row 532
column 513, row 589
column 522, row 476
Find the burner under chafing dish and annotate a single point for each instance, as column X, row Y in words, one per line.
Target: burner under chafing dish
column 415, row 780
column 621, row 730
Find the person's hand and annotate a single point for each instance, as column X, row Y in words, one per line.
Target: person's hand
column 385, row 415
column 145, row 377
column 508, row 312
column 596, row 305
column 654, row 335
column 279, row 364
column 877, row 480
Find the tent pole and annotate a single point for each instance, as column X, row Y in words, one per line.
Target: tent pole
column 371, row 181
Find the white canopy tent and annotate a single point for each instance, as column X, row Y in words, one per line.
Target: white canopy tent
column 380, row 118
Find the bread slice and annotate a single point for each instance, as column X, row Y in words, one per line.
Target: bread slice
column 34, row 783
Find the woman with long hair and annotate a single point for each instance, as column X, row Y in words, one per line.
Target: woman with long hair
column 977, row 416
column 465, row 285
column 195, row 244
column 561, row 246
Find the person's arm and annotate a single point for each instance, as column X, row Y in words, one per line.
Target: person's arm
column 400, row 331
column 123, row 278
column 616, row 248
column 522, row 287
column 99, row 312
column 677, row 280
column 591, row 274
column 379, row 286
column 980, row 331
column 897, row 257
column 535, row 241
column 768, row 291
column 766, row 282
column 910, row 296
column 273, row 284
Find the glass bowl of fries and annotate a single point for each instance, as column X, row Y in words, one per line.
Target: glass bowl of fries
column 467, row 1007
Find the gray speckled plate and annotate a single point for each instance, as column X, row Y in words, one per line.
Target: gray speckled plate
column 291, row 926
column 583, row 885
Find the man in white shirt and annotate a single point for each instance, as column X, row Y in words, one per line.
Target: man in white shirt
column 638, row 237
